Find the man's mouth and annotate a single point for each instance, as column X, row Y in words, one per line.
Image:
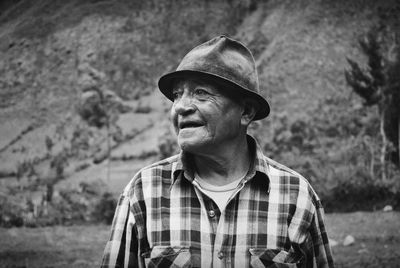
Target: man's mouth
column 189, row 124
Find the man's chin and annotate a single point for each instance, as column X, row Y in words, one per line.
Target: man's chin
column 190, row 145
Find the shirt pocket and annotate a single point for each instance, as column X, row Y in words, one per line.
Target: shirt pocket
column 167, row 256
column 274, row 258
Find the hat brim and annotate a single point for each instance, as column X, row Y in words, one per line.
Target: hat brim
column 166, row 82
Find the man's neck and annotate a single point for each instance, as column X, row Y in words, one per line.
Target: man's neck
column 224, row 166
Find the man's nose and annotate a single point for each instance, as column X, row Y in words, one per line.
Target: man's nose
column 184, row 104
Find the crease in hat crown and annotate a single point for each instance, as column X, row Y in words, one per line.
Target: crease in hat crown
column 222, row 60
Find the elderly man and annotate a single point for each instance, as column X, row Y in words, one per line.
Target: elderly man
column 220, row 202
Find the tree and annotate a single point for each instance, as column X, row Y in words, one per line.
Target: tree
column 379, row 84
column 95, row 110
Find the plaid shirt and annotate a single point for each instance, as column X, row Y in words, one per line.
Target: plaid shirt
column 273, row 219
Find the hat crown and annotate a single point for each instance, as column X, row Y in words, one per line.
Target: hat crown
column 226, row 58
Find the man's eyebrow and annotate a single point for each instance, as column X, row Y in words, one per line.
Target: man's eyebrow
column 210, row 87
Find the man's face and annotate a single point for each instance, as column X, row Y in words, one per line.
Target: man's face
column 204, row 118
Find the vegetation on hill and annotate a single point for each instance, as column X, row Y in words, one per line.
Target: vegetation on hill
column 379, row 85
column 80, row 112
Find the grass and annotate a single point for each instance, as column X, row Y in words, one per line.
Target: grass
column 377, row 240
column 60, row 246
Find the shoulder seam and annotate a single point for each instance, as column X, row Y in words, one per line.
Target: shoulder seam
column 284, row 168
column 137, row 175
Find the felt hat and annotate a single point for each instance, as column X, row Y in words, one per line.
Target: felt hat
column 224, row 61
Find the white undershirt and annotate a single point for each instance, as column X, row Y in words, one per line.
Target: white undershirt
column 219, row 194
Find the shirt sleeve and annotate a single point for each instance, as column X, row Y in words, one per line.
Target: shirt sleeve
column 318, row 249
column 122, row 248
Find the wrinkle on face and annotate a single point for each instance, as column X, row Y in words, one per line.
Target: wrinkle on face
column 220, row 114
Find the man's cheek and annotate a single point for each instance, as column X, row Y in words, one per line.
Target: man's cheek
column 174, row 120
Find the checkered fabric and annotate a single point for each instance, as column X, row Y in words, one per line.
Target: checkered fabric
column 273, row 219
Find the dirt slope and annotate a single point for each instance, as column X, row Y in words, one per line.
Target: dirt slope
column 56, row 53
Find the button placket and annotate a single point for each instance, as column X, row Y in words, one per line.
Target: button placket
column 238, row 189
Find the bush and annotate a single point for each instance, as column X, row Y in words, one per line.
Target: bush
column 143, row 109
column 11, row 214
column 105, row 209
column 363, row 192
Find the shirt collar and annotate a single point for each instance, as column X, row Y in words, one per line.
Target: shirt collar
column 184, row 167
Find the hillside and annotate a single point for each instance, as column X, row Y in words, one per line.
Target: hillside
column 58, row 58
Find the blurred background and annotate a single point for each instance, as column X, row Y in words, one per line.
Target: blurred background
column 80, row 113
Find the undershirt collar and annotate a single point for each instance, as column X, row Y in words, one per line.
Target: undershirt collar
column 217, row 188
column 219, row 194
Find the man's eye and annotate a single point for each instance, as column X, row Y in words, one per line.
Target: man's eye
column 201, row 92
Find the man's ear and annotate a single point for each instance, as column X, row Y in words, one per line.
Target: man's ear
column 250, row 108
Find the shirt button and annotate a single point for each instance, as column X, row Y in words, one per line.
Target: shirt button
column 220, row 255
column 211, row 213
